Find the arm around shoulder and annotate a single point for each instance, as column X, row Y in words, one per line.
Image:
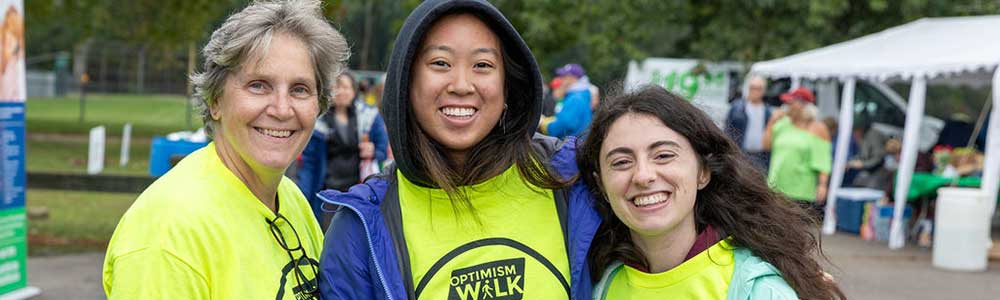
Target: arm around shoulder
column 344, row 268
column 769, row 129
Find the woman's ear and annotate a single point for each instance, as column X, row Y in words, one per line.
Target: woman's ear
column 599, row 185
column 213, row 110
column 704, row 177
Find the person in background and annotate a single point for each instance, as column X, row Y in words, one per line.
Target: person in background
column 554, row 92
column 870, row 156
column 346, row 146
column 225, row 223
column 800, row 151
column 573, row 116
column 474, row 190
column 685, row 214
column 852, row 149
column 595, row 97
column 746, row 120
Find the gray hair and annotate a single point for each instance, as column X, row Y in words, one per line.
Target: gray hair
column 248, row 34
column 809, row 112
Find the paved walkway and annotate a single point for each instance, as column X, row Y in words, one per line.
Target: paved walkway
column 67, row 277
column 865, row 270
column 869, row 270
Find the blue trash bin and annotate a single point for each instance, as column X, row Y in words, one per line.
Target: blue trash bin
column 163, row 149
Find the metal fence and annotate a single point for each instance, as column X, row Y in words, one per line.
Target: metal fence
column 112, row 67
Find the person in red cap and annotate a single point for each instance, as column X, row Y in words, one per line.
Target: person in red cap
column 800, row 150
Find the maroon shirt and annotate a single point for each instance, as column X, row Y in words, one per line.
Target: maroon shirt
column 704, row 240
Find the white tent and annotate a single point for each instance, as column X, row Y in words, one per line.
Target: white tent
column 932, row 49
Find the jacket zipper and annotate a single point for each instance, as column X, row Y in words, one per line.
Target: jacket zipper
column 371, row 246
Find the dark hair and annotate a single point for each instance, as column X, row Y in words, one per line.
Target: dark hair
column 737, row 201
column 354, row 87
column 508, row 143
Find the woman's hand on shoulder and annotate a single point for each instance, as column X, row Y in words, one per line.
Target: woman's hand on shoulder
column 819, row 129
column 777, row 114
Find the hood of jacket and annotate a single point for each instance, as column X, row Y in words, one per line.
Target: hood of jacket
column 396, row 97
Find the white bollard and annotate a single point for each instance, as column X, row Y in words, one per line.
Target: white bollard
column 126, row 139
column 95, row 157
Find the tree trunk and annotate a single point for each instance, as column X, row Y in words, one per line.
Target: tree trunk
column 140, row 76
column 366, row 36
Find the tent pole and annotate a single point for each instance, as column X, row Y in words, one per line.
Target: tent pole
column 991, row 165
column 908, row 158
column 980, row 121
column 840, row 156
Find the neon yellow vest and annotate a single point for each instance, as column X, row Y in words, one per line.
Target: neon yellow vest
column 516, row 251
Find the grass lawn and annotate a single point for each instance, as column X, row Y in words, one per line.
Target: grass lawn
column 77, row 221
column 149, row 114
column 57, row 142
column 70, row 156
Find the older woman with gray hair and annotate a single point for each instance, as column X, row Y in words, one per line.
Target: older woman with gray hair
column 225, row 223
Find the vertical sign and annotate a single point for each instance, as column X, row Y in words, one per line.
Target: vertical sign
column 13, row 244
column 95, row 153
column 126, row 140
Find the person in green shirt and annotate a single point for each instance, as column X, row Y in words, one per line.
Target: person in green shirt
column 225, row 223
column 686, row 215
column 800, row 151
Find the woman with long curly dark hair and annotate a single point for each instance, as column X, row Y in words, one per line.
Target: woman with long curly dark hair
column 686, row 215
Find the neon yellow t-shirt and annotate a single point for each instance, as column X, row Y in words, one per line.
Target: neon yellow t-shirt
column 199, row 233
column 704, row 276
column 516, row 252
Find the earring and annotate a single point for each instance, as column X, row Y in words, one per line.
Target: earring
column 503, row 124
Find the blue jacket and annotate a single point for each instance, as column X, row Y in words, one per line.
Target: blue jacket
column 312, row 171
column 359, row 260
column 575, row 115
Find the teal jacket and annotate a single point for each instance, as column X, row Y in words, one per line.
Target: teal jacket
column 753, row 278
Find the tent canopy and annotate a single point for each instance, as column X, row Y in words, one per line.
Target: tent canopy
column 959, row 49
column 929, row 48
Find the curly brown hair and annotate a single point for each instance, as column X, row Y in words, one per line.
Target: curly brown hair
column 737, row 202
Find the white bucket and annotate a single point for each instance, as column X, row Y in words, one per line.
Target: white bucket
column 961, row 230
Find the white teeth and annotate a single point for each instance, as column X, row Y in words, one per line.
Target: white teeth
column 458, row 111
column 650, row 199
column 275, row 133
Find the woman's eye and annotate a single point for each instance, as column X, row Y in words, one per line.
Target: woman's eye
column 440, row 64
column 622, row 163
column 300, row 91
column 257, row 87
column 483, row 65
column 664, row 156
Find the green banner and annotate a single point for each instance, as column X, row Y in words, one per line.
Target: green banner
column 13, row 250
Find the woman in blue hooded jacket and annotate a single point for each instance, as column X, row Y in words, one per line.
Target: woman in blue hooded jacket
column 477, row 206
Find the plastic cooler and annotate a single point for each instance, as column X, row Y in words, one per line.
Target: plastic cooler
column 163, row 149
column 851, row 206
column 883, row 220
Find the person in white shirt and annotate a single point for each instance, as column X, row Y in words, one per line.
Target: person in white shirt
column 746, row 121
